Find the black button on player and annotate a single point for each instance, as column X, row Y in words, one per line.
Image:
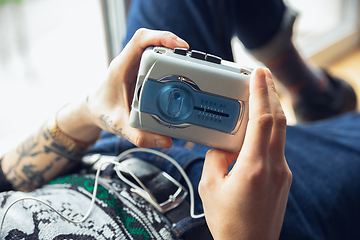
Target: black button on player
column 213, row 59
column 180, row 51
column 198, row 55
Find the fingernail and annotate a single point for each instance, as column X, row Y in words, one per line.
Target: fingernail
column 182, row 42
column 268, row 73
column 261, row 72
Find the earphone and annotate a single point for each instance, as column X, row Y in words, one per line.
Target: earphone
column 116, row 162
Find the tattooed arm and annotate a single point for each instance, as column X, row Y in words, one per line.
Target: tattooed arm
column 40, row 158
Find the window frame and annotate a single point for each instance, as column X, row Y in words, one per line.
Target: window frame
column 337, row 43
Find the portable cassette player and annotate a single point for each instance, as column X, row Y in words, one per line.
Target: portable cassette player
column 192, row 96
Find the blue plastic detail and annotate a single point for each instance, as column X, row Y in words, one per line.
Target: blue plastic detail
column 176, row 102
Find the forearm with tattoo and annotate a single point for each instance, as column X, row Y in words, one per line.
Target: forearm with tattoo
column 37, row 160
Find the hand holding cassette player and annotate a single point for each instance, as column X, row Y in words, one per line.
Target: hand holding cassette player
column 192, row 96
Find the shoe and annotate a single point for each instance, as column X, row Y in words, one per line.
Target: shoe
column 343, row 100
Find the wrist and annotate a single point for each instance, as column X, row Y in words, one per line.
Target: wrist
column 75, row 121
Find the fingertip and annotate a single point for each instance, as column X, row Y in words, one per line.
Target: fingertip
column 144, row 139
column 182, row 43
column 214, row 153
column 163, row 142
column 174, row 42
column 260, row 72
column 214, row 166
column 258, row 79
column 268, row 73
column 145, row 37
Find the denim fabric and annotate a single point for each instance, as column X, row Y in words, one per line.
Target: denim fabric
column 324, row 159
column 324, row 197
column 209, row 25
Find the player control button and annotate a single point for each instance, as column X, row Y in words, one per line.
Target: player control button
column 197, row 55
column 180, row 51
column 213, row 59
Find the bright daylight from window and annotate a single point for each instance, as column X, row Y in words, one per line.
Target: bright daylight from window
column 49, row 49
column 53, row 49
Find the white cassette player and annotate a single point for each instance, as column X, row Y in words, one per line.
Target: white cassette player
column 192, row 96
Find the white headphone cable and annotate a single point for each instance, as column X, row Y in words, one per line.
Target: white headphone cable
column 117, row 161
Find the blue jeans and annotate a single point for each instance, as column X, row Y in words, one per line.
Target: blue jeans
column 324, row 159
column 325, row 194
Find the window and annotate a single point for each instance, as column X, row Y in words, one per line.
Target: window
column 324, row 31
column 51, row 51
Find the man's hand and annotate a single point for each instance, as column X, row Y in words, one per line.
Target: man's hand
column 108, row 107
column 249, row 202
